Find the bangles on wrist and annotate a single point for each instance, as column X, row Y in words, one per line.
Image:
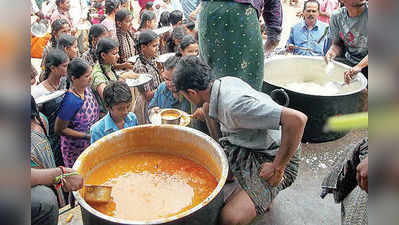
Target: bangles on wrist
column 58, row 181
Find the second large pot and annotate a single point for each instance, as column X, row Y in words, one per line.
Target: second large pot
column 182, row 141
column 280, row 71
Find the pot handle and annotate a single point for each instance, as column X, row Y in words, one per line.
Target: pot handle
column 280, row 96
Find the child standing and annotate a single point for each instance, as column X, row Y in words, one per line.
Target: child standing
column 103, row 72
column 117, row 99
column 97, row 31
column 148, row 45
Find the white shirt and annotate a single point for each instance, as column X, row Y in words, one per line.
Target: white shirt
column 39, row 90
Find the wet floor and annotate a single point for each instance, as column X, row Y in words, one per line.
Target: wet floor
column 301, row 204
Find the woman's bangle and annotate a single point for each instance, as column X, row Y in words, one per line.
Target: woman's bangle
column 86, row 135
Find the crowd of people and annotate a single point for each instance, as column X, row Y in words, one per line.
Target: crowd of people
column 215, row 73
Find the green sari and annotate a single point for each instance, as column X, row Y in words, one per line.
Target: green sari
column 230, row 41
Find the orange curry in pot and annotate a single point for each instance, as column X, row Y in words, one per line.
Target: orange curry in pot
column 149, row 185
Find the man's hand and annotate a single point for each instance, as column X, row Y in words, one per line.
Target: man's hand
column 362, row 174
column 270, row 46
column 330, row 55
column 72, row 183
column 290, row 48
column 349, row 74
column 271, row 175
column 156, row 109
column 199, row 114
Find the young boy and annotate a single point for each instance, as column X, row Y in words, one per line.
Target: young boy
column 117, row 100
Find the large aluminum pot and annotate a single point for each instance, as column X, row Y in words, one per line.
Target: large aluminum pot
column 179, row 140
column 283, row 70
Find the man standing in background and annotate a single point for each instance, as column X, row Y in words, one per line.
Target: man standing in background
column 349, row 35
column 308, row 37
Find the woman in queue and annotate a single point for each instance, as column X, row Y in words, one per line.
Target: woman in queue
column 127, row 44
column 56, row 63
column 103, row 72
column 148, row 46
column 58, row 27
column 79, row 110
column 96, row 32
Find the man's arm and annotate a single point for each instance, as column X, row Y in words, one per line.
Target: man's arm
column 334, row 51
column 212, row 124
column 290, row 42
column 273, row 17
column 362, row 171
column 47, row 176
column 43, row 176
column 293, row 124
column 337, row 44
column 349, row 74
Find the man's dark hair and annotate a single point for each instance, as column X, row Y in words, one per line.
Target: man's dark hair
column 175, row 16
column 191, row 73
column 311, row 1
column 115, row 93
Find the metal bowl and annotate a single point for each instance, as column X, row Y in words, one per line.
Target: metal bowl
column 155, row 117
column 171, row 116
column 182, row 141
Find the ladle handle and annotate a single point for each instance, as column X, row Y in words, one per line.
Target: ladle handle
column 280, row 96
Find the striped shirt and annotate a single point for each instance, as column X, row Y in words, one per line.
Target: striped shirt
column 189, row 6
